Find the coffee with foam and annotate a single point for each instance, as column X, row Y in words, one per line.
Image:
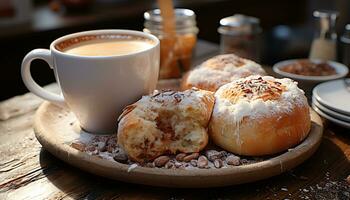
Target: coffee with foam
column 105, row 45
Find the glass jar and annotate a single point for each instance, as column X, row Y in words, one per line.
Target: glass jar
column 240, row 35
column 175, row 52
column 324, row 44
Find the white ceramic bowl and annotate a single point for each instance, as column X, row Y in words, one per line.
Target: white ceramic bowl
column 307, row 83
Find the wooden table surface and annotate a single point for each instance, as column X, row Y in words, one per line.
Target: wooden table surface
column 27, row 171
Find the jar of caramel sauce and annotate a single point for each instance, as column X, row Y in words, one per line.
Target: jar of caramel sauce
column 175, row 50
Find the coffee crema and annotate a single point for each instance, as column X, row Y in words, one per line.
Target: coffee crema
column 104, row 45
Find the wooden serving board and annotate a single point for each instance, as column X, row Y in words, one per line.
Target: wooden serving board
column 55, row 128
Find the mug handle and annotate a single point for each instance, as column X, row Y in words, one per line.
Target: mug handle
column 43, row 54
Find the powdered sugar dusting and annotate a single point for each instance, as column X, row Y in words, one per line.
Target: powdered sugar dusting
column 222, row 69
column 181, row 100
column 257, row 107
column 210, row 76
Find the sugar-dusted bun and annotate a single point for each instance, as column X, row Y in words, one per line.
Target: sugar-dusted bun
column 259, row 115
column 220, row 70
column 166, row 122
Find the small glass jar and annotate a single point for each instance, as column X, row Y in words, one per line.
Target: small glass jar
column 175, row 52
column 324, row 44
column 240, row 35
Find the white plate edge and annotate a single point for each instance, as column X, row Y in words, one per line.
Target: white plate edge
column 330, row 112
column 336, row 121
column 315, row 93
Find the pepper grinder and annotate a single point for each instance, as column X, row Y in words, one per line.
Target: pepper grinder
column 324, row 44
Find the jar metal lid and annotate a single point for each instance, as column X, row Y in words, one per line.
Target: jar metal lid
column 347, row 27
column 185, row 20
column 180, row 15
column 325, row 14
column 239, row 24
column 346, row 35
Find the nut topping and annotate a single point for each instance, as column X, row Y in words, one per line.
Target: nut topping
column 177, row 164
column 180, row 157
column 233, row 160
column 218, row 163
column 91, row 148
column 193, row 163
column 78, row 146
column 208, row 159
column 170, row 165
column 150, row 165
column 191, row 157
column 202, row 162
column 120, row 157
column 161, row 161
column 255, row 88
column 213, row 155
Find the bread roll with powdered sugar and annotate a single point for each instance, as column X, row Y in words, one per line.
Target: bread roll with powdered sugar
column 259, row 115
column 220, row 70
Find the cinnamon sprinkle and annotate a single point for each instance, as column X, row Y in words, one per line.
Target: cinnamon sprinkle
column 256, row 88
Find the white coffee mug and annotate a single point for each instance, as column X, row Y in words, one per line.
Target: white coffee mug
column 97, row 88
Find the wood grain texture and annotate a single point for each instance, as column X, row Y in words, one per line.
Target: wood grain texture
column 30, row 172
column 56, row 129
column 27, row 171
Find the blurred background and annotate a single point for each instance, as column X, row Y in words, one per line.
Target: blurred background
column 288, row 27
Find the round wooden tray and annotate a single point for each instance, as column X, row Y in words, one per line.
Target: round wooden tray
column 54, row 130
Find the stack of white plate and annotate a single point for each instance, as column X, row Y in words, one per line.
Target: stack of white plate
column 332, row 101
